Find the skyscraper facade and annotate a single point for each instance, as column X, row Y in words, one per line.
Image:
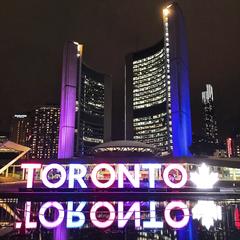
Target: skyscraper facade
column 20, row 128
column 157, row 101
column 237, row 145
column 45, row 128
column 86, row 105
column 90, row 110
column 210, row 131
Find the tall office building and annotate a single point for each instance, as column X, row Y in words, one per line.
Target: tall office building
column 45, row 128
column 86, row 105
column 157, row 101
column 90, row 110
column 210, row 132
column 20, row 129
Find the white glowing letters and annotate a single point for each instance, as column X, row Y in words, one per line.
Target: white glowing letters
column 30, row 167
column 134, row 209
column 174, row 176
column 61, row 180
column 153, row 223
column 134, row 180
column 172, row 222
column 60, row 214
column 183, row 172
column 110, row 181
column 75, row 213
column 76, row 174
column 106, row 223
column 75, row 177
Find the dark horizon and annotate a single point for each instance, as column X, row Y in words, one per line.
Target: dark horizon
column 34, row 35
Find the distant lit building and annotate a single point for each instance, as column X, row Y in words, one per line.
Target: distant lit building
column 3, row 137
column 157, row 100
column 237, row 145
column 20, row 129
column 230, row 147
column 45, row 128
column 210, row 131
column 233, row 146
column 90, row 110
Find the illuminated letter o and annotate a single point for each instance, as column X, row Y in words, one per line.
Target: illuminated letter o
column 94, row 176
column 166, row 177
column 59, row 219
column 94, row 219
column 167, row 214
column 61, row 180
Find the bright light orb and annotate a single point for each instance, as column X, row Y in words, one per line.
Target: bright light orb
column 204, row 179
column 165, row 12
column 207, row 211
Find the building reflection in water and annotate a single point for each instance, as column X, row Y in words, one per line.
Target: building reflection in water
column 207, row 220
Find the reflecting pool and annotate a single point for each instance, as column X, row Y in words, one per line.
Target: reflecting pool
column 140, row 220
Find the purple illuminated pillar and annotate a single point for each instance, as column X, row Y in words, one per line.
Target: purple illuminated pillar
column 60, row 232
column 72, row 51
column 72, row 56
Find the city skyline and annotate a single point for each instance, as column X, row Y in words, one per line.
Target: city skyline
column 42, row 74
column 123, row 120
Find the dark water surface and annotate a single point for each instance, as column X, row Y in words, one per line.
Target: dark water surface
column 142, row 220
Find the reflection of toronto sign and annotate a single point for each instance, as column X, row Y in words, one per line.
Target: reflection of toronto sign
column 74, row 213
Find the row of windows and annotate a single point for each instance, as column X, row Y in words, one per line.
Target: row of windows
column 141, row 75
column 159, row 94
column 149, row 81
column 152, row 132
column 94, row 140
column 154, row 118
column 143, row 104
column 142, row 95
column 153, row 85
column 151, row 68
column 92, row 96
column 154, row 140
column 148, row 58
column 156, row 86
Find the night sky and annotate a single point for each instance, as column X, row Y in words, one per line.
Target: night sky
column 33, row 34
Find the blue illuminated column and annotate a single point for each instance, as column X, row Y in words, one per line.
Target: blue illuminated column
column 179, row 111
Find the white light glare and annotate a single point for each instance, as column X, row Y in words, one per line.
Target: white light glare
column 207, row 211
column 166, row 10
column 204, row 179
